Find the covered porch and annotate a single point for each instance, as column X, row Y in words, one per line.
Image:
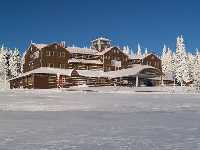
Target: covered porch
column 138, row 75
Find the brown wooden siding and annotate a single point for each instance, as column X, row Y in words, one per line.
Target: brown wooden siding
column 153, row 61
column 115, row 54
column 51, row 56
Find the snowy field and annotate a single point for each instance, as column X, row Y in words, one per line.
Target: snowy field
column 100, row 119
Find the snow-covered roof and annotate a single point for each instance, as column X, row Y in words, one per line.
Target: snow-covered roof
column 108, row 49
column 104, row 51
column 91, row 73
column 79, row 50
column 39, row 46
column 101, row 38
column 166, row 77
column 137, row 56
column 47, row 70
column 133, row 71
column 84, row 61
column 142, row 56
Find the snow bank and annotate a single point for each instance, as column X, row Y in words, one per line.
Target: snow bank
column 97, row 99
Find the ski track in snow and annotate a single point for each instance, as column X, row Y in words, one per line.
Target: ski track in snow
column 101, row 120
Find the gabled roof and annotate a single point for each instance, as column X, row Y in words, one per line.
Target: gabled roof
column 39, row 46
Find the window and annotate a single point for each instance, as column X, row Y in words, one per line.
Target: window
column 62, row 54
column 63, row 80
column 48, row 53
column 55, row 53
column 52, row 53
column 51, row 65
column 62, row 66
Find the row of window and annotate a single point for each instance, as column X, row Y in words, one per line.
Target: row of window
column 53, row 53
column 51, row 65
column 155, row 64
column 115, row 58
column 116, row 51
column 78, row 56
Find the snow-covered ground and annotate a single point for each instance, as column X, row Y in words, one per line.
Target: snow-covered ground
column 100, row 119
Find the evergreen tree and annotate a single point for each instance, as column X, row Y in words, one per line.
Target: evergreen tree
column 164, row 59
column 4, row 70
column 191, row 65
column 139, row 51
column 164, row 51
column 22, row 62
column 15, row 63
column 146, row 51
column 173, row 65
column 126, row 50
column 196, row 72
column 182, row 69
column 168, row 63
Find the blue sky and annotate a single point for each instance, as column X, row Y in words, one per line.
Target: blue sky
column 126, row 22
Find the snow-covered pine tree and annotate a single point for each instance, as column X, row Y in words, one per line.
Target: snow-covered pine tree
column 196, row 72
column 182, row 69
column 22, row 62
column 146, row 52
column 132, row 54
column 139, row 51
column 164, row 51
column 191, row 63
column 168, row 63
column 4, row 63
column 164, row 59
column 173, row 65
column 4, row 67
column 126, row 50
column 15, row 63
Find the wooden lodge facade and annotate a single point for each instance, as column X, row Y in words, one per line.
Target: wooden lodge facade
column 56, row 65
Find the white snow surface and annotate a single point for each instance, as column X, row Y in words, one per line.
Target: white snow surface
column 104, row 118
